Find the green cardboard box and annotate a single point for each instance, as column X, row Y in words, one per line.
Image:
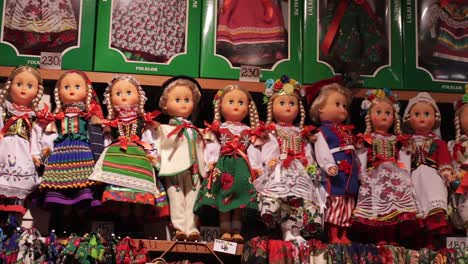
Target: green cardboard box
column 65, row 27
column 366, row 38
column 436, row 53
column 148, row 37
column 265, row 34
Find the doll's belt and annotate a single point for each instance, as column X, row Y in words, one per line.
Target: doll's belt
column 338, row 149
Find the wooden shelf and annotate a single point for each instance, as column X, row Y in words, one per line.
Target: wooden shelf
column 184, row 247
column 216, row 84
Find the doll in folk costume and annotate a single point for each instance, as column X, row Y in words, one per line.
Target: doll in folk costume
column 386, row 198
column 126, row 163
column 353, row 37
column 459, row 151
column 35, row 26
column 232, row 159
column 335, row 154
column 266, row 40
column 22, row 127
column 65, row 180
column 290, row 192
column 431, row 169
column 180, row 147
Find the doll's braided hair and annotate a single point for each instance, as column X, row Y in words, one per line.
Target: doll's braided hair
column 89, row 90
column 4, row 93
column 107, row 95
column 253, row 113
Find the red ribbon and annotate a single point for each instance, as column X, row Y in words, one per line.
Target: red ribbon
column 300, row 156
column 226, row 5
column 94, row 109
column 361, row 138
column 12, row 120
column 307, row 130
column 180, row 129
column 123, row 142
column 214, row 127
column 110, row 123
column 44, row 116
column 335, row 24
column 148, row 117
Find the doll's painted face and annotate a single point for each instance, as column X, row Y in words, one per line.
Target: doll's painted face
column 285, row 108
column 72, row 89
column 464, row 120
column 382, row 116
column 234, row 106
column 124, row 93
column 335, row 108
column 179, row 102
column 422, row 117
column 24, row 88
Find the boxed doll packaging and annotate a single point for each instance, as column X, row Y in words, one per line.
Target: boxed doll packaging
column 148, row 37
column 363, row 37
column 29, row 28
column 436, row 45
column 265, row 34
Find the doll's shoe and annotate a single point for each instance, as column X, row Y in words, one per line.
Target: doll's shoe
column 180, row 235
column 226, row 237
column 237, row 238
column 194, row 236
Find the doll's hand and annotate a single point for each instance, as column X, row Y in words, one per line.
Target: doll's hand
column 45, row 152
column 211, row 165
column 313, row 138
column 258, row 172
column 332, row 171
column 272, row 163
column 37, row 161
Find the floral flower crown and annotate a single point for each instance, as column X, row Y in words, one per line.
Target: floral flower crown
column 459, row 103
column 284, row 85
column 371, row 95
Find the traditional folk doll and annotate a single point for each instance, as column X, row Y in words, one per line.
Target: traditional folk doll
column 263, row 44
column 353, row 36
column 386, row 198
column 22, row 126
column 459, row 149
column 180, row 149
column 232, row 159
column 146, row 30
column 431, row 168
column 290, row 192
column 126, row 163
column 66, row 173
column 37, row 26
column 334, row 151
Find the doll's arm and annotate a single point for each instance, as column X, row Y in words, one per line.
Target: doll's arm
column 404, row 157
column 270, row 153
column 1, row 117
column 254, row 154
column 148, row 136
column 362, row 157
column 444, row 162
column 36, row 147
column 211, row 153
column 324, row 156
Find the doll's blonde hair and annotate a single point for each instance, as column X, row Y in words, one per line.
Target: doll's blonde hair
column 89, row 91
column 107, row 95
column 396, row 116
column 179, row 82
column 457, row 123
column 253, row 113
column 4, row 93
column 321, row 100
column 270, row 108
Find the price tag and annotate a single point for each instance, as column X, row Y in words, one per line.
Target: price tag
column 209, row 233
column 250, row 73
column 105, row 229
column 225, row 246
column 457, row 242
column 51, row 60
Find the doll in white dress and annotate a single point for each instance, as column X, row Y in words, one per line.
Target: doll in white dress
column 386, row 201
column 233, row 160
column 22, row 126
column 431, row 168
column 290, row 192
